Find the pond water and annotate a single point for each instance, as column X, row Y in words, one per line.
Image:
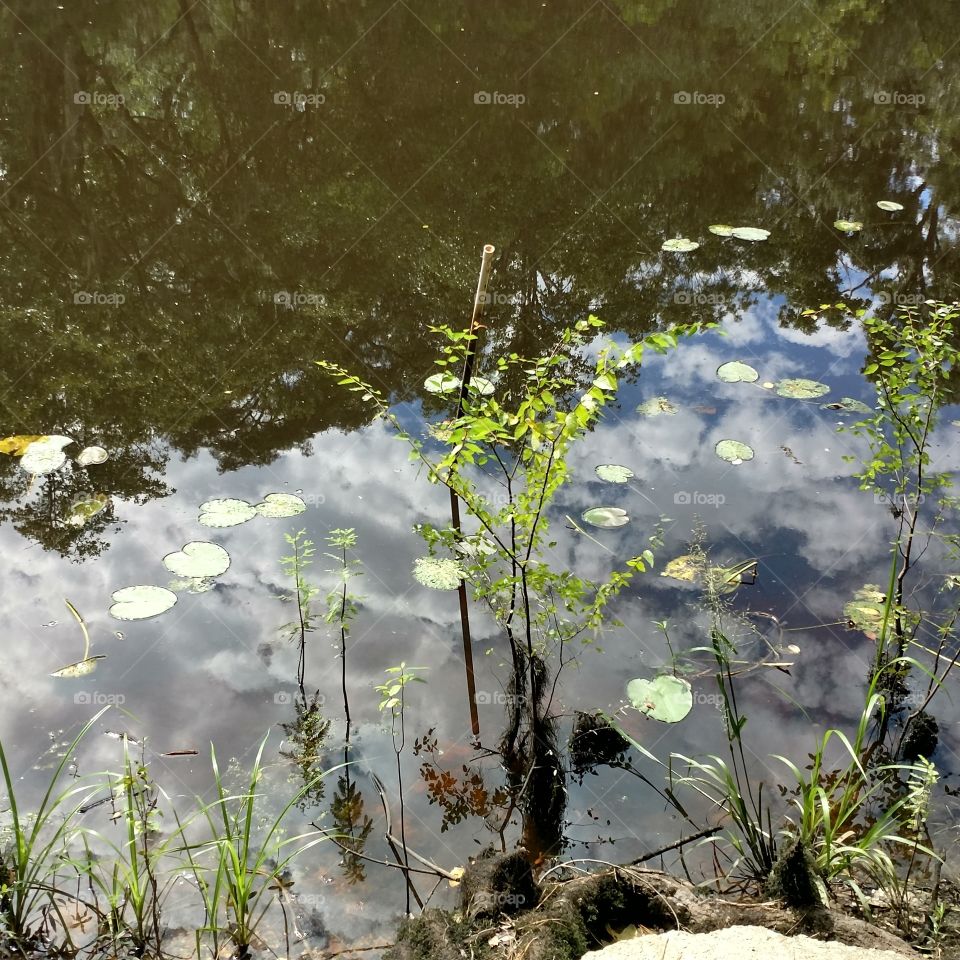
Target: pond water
column 202, row 199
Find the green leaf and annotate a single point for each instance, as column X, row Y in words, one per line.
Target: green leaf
column 280, row 505
column 606, row 517
column 847, row 405
column 141, row 602
column 225, row 512
column 753, row 234
column 801, row 389
column 735, row 371
column 198, row 559
column 614, row 473
column 666, row 698
column 733, row 451
column 891, row 206
column 441, row 383
column 679, row 245
column 721, row 229
column 849, row 226
column 83, row 510
column 438, row 573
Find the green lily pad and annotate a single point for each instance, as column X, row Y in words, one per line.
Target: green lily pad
column 721, row 229
column 847, row 405
column 891, row 206
column 753, row 234
column 89, row 456
column 83, row 510
column 865, row 610
column 198, row 558
column 656, row 406
column 801, row 389
column 721, row 580
column 141, row 602
column 606, row 517
column 441, row 383
column 665, row 698
column 481, row 385
column 279, row 505
column 439, row 573
column 848, row 226
column 686, row 568
column 79, row 669
column 614, row 473
column 226, row 512
column 733, row 451
column 679, row 245
column 735, row 371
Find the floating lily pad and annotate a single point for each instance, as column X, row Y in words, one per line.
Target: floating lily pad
column 679, row 245
column 79, row 669
column 438, row 572
column 686, row 567
column 768, row 385
column 733, row 451
column 441, row 383
column 735, row 371
column 847, row 405
column 656, row 406
column 614, row 473
column 481, row 385
column 665, row 698
column 865, row 610
column 753, row 234
column 848, row 226
column 45, row 455
column 83, row 510
column 91, row 455
column 891, row 206
column 721, row 229
column 606, row 517
column 721, row 580
column 141, row 602
column 801, row 389
column 226, row 512
column 198, row 558
column 278, row 505
column 16, row 445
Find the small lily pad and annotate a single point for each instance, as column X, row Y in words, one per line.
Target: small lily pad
column 847, row 405
column 226, row 512
column 656, row 406
column 735, row 371
column 614, row 473
column 141, row 602
column 91, row 455
column 666, row 698
column 45, row 455
column 721, row 229
column 733, row 451
column 865, row 610
column 686, row 568
column 891, row 206
column 849, row 226
column 481, row 385
column 79, row 669
column 441, row 383
column 198, row 558
column 606, row 517
column 679, row 245
column 753, row 234
column 278, row 505
column 83, row 510
column 801, row 389
column 439, row 573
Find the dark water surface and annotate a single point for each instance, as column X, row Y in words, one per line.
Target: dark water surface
column 199, row 199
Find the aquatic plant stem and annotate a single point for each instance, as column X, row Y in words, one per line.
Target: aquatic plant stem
column 479, row 301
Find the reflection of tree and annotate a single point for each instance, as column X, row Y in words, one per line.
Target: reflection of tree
column 352, row 825
column 248, row 237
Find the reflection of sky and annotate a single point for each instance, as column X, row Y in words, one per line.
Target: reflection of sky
column 215, row 668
